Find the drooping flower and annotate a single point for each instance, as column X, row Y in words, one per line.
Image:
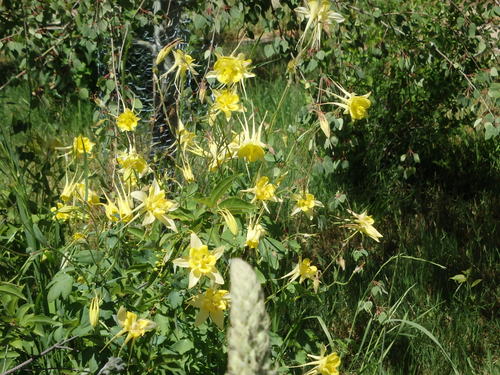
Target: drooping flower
column 187, row 172
column 226, row 101
column 211, row 303
column 217, row 155
column 201, row 261
column 324, row 365
column 254, row 234
column 69, row 188
column 229, row 219
column 65, row 212
column 363, row 223
column 165, row 51
column 231, row 69
column 306, row 204
column 84, row 193
column 319, row 17
column 127, row 120
column 250, row 146
column 122, row 210
column 156, row 206
column 182, row 64
column 133, row 327
column 356, row 106
column 82, row 145
column 94, row 311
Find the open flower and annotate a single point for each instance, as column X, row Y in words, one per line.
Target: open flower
column 82, row 145
column 363, row 223
column 226, row 101
column 319, row 17
column 201, row 261
column 263, row 191
column 303, row 270
column 231, row 69
column 133, row 327
column 211, row 303
column 182, row 64
column 324, row 365
column 127, row 121
column 249, row 146
column 132, row 165
column 306, row 204
column 254, row 234
column 156, row 206
column 356, row 106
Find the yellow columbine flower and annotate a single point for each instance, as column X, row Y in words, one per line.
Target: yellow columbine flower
column 132, row 166
column 211, row 303
column 263, row 190
column 156, row 206
column 231, row 69
column 94, row 311
column 306, row 204
column 201, row 262
column 254, row 234
column 134, row 327
column 182, row 63
column 217, row 155
column 166, row 50
column 127, row 121
column 304, row 270
column 79, row 237
column 226, row 101
column 68, row 190
column 82, row 145
column 250, row 147
column 65, row 212
column 324, row 365
column 187, row 172
column 319, row 16
column 230, row 220
column 92, row 197
column 356, row 106
column 363, row 223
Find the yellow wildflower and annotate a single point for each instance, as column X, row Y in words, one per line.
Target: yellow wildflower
column 156, row 206
column 69, row 188
column 250, row 147
column 79, row 237
column 166, row 50
column 231, row 69
column 254, row 234
column 65, row 212
column 187, row 172
column 94, row 311
column 304, row 270
column 132, row 166
column 134, row 327
column 217, row 155
column 201, row 261
column 127, row 121
column 324, row 365
column 319, row 16
column 363, row 223
column 211, row 303
column 226, row 101
column 230, row 220
column 306, row 204
column 82, row 191
column 82, row 145
column 355, row 106
column 182, row 63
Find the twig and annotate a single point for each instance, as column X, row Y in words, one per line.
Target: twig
column 58, row 345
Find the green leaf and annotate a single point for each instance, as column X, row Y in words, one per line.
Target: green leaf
column 89, row 256
column 459, row 278
column 12, row 289
column 42, row 319
column 490, row 131
column 61, row 286
column 236, row 205
column 220, row 189
column 183, row 346
column 428, row 334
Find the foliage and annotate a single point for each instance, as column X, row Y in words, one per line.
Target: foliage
column 276, row 162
